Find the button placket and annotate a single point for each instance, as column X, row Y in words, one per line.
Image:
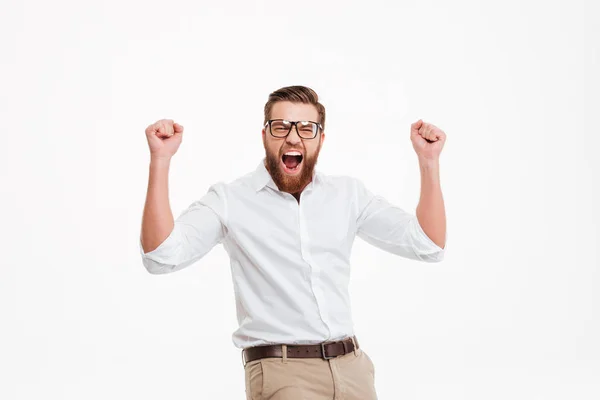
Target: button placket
column 315, row 270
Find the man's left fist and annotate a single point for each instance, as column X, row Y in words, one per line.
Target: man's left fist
column 427, row 139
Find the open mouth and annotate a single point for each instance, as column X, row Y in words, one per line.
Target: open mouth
column 292, row 161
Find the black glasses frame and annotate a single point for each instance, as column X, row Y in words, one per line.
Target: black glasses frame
column 293, row 124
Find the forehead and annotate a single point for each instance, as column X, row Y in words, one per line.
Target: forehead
column 294, row 111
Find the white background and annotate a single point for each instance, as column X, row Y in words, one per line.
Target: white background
column 513, row 311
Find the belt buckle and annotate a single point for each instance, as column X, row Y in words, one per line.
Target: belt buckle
column 323, row 352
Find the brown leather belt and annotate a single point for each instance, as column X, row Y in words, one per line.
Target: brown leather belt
column 325, row 350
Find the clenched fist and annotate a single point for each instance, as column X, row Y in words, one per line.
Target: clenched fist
column 427, row 139
column 164, row 137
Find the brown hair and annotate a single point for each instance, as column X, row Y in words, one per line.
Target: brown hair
column 295, row 94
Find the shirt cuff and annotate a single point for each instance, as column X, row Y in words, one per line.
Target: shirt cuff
column 165, row 251
column 424, row 244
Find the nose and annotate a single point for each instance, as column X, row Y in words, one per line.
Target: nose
column 293, row 138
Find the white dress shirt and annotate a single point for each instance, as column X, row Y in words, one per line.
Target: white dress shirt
column 290, row 260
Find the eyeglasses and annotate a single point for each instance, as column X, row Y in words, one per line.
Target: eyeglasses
column 280, row 128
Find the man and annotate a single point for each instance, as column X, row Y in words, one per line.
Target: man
column 288, row 230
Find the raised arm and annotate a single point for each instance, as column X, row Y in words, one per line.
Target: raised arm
column 164, row 138
column 420, row 236
column 428, row 141
column 168, row 245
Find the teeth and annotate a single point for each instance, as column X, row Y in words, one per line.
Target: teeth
column 293, row 153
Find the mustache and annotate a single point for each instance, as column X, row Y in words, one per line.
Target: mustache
column 292, row 149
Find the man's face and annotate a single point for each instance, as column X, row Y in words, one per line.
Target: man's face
column 287, row 180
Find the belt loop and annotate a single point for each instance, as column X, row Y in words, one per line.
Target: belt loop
column 355, row 346
column 284, row 353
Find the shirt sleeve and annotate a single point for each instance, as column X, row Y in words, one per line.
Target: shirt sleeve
column 392, row 229
column 197, row 230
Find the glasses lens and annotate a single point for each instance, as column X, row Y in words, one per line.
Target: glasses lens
column 307, row 129
column 280, row 128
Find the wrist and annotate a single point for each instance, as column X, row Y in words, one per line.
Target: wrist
column 160, row 159
column 426, row 163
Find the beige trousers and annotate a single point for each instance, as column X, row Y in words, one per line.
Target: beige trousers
column 347, row 377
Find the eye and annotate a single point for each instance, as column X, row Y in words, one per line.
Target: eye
column 279, row 125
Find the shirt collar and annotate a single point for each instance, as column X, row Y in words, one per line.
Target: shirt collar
column 263, row 178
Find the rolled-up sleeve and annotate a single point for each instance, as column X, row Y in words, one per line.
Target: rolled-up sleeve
column 197, row 230
column 392, row 229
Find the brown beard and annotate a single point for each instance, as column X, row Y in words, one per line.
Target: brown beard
column 287, row 183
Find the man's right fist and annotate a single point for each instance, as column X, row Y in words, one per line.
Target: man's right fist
column 164, row 137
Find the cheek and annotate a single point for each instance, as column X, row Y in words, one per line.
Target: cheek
column 312, row 150
column 274, row 150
